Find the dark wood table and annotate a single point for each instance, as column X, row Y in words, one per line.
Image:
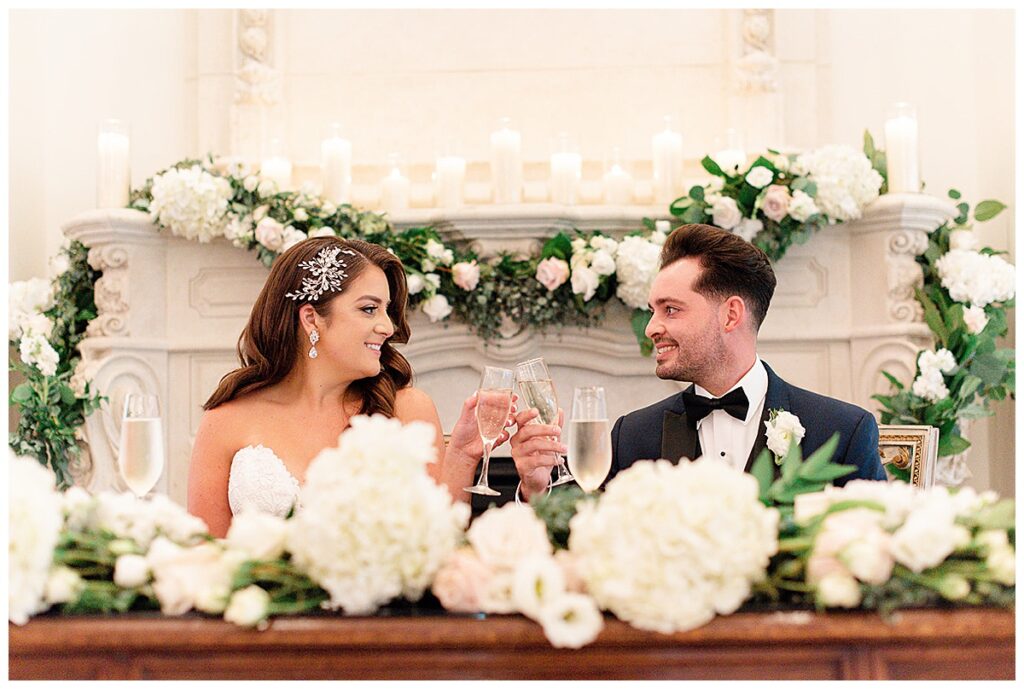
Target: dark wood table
column 920, row 644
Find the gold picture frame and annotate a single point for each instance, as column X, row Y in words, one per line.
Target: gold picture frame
column 911, row 448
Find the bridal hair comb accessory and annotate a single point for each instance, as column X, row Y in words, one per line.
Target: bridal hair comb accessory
column 327, row 271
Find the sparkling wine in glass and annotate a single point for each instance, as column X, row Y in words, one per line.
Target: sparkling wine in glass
column 140, row 456
column 493, row 404
column 590, row 442
column 538, row 391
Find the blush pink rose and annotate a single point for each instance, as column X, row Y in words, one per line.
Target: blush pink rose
column 552, row 272
column 466, row 275
column 462, row 581
column 775, row 202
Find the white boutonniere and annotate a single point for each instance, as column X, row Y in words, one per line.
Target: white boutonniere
column 783, row 428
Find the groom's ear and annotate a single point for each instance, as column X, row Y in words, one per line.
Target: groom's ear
column 734, row 313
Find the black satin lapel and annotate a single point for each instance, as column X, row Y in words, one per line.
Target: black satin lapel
column 776, row 397
column 678, row 439
column 760, row 440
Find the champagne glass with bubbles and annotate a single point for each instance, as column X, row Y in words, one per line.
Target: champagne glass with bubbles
column 538, row 391
column 140, row 456
column 493, row 404
column 590, row 442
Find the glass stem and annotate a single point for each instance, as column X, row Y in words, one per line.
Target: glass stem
column 483, row 468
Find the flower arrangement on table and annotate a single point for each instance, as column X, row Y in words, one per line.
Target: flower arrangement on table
column 664, row 548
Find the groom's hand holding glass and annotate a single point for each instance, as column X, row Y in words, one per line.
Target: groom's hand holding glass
column 536, row 449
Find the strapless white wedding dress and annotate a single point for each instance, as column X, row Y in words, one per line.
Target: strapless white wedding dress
column 259, row 480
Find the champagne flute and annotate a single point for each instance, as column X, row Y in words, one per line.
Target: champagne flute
column 590, row 442
column 539, row 393
column 493, row 404
column 140, row 456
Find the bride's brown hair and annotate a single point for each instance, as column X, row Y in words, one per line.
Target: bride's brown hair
column 269, row 345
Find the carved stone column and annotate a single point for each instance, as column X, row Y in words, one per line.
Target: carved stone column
column 756, row 100
column 257, row 84
column 887, row 326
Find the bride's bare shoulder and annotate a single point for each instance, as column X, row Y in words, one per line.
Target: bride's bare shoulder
column 414, row 404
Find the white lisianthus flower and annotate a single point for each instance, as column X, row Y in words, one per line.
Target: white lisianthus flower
column 975, row 319
column 552, row 273
column 585, row 281
column 63, row 585
column 504, row 536
column 498, row 597
column 131, row 570
column 725, row 213
column 300, row 215
column 270, row 233
column 1002, row 563
column 802, row 206
column 602, row 263
column 361, row 555
column 290, row 237
column 538, row 581
column 669, row 546
column 838, row 591
column 636, row 265
column 191, row 203
column 325, row 231
column 258, row 534
column 415, row 283
column 36, row 351
column 783, row 428
column 248, row 607
column 436, row 308
column 34, row 516
column 571, row 620
column 466, row 274
column 250, row 183
column 759, row 177
column 748, row 228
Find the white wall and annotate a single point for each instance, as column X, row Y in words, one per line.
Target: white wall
column 403, row 79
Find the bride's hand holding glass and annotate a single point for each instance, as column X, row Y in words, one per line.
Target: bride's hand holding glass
column 465, row 443
column 535, row 450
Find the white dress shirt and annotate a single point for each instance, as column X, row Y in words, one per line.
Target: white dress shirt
column 729, row 438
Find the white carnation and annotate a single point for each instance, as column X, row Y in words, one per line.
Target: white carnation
column 365, row 556
column 34, row 518
column 636, row 265
column 191, row 203
column 669, row 546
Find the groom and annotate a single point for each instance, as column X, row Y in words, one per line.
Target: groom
column 709, row 300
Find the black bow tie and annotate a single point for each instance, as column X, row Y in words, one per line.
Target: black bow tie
column 734, row 404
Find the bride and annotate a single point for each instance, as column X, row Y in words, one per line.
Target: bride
column 317, row 350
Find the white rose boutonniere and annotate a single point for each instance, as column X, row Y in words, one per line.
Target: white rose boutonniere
column 782, row 429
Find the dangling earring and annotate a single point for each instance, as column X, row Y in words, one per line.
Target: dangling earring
column 314, row 337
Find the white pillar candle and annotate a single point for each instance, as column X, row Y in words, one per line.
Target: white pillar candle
column 566, row 171
column 901, row 150
column 394, row 189
column 667, row 155
column 449, row 178
column 278, row 169
column 113, row 172
column 506, row 164
column 618, row 186
column 336, row 167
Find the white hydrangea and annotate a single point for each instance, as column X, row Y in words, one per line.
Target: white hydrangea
column 845, row 179
column 802, row 206
column 34, row 518
column 26, row 302
column 931, row 384
column 191, row 203
column 136, row 519
column 975, row 278
column 36, row 351
column 669, row 546
column 636, row 265
column 365, row 556
column 975, row 319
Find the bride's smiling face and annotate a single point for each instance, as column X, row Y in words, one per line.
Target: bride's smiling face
column 358, row 325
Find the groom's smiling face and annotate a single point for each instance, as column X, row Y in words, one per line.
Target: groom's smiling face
column 686, row 326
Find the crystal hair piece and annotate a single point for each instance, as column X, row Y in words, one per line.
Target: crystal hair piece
column 327, row 271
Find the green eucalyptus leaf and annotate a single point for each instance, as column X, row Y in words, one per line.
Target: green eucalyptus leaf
column 952, row 445
column 954, row 194
column 22, row 393
column 712, row 167
column 988, row 209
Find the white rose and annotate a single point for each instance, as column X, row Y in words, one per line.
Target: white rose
column 504, row 536
column 291, row 237
column 131, row 570
column 270, row 233
column 325, row 231
column 662, row 226
column 461, row 582
column 572, row 620
column 602, row 262
column 327, row 210
column 433, row 280
column 975, row 319
column 552, row 273
column 538, row 581
column 774, row 202
column 436, row 251
column 251, row 183
column 466, row 275
column 782, row 430
column 868, row 558
column 802, row 206
column 259, row 534
column 415, row 283
column 260, row 212
column 267, row 187
column 838, row 591
column 725, row 213
column 248, row 607
column 759, row 177
column 927, row 537
column 606, row 244
column 748, row 228
column 300, row 215
column 585, row 281
column 436, row 308
column 962, row 239
column 63, row 585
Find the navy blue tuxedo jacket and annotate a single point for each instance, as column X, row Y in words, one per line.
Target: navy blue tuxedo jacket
column 661, row 430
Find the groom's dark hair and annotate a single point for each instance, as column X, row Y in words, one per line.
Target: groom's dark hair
column 729, row 265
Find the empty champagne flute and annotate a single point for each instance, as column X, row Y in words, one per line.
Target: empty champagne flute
column 538, row 391
column 590, row 442
column 140, row 456
column 493, row 404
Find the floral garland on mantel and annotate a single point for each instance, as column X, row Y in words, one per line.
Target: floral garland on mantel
column 778, row 200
